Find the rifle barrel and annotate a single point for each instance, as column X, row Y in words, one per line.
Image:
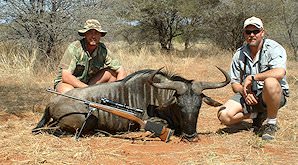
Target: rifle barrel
column 72, row 97
column 119, row 105
column 113, row 110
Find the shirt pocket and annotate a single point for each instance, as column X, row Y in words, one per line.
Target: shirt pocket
column 264, row 67
column 79, row 70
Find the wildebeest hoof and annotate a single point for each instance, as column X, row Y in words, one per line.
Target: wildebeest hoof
column 190, row 138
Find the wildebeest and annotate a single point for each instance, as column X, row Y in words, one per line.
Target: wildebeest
column 173, row 99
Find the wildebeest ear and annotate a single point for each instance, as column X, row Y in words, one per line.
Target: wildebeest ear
column 210, row 101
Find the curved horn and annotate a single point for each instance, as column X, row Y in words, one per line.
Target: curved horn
column 178, row 86
column 198, row 87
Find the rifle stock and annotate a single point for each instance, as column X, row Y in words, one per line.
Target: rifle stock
column 118, row 112
column 162, row 132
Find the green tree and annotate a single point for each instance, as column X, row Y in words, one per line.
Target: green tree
column 157, row 20
column 226, row 23
column 162, row 17
column 289, row 15
column 48, row 23
column 164, row 20
column 195, row 20
column 227, row 20
column 44, row 22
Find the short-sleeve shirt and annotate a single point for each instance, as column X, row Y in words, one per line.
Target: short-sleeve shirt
column 82, row 65
column 272, row 55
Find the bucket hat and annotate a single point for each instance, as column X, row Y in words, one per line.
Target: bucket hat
column 92, row 24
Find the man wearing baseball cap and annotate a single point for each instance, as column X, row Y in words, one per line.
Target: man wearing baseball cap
column 258, row 78
column 87, row 61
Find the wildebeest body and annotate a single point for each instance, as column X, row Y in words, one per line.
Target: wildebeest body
column 178, row 107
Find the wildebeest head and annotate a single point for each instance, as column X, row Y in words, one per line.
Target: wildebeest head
column 188, row 99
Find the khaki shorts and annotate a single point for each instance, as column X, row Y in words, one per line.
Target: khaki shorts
column 260, row 107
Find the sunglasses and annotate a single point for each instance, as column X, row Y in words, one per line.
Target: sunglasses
column 248, row 32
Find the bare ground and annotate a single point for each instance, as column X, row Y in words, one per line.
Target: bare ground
column 21, row 107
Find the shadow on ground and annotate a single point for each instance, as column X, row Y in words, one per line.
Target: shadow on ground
column 243, row 126
column 16, row 99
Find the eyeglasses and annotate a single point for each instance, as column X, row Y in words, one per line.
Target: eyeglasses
column 248, row 32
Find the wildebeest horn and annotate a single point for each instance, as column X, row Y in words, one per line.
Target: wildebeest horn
column 198, row 87
column 178, row 86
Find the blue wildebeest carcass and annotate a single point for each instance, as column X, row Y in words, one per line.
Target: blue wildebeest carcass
column 168, row 99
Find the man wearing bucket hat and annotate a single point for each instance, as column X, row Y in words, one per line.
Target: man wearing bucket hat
column 87, row 61
column 258, row 79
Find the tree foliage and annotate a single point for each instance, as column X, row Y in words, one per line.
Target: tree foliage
column 155, row 20
column 165, row 20
column 225, row 26
column 44, row 21
column 289, row 15
column 195, row 19
column 51, row 22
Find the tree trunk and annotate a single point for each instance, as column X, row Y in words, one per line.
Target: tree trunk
column 296, row 54
column 186, row 43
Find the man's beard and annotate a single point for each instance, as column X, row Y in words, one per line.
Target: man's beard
column 254, row 42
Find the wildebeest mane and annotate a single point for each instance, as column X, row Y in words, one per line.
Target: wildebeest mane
column 179, row 78
column 168, row 74
column 135, row 74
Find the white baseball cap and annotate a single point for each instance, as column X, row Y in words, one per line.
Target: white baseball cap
column 257, row 22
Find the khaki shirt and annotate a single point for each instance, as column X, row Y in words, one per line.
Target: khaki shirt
column 81, row 64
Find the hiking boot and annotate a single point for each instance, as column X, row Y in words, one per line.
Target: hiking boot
column 258, row 121
column 269, row 131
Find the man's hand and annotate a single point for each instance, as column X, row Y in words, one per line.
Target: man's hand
column 247, row 85
column 251, row 99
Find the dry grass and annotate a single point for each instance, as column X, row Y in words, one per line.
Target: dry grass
column 23, row 97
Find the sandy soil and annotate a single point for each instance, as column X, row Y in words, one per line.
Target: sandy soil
column 21, row 107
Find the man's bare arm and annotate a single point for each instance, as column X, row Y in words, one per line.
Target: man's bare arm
column 121, row 73
column 277, row 73
column 237, row 88
column 70, row 79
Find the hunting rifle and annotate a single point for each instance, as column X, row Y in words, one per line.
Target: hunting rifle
column 162, row 132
